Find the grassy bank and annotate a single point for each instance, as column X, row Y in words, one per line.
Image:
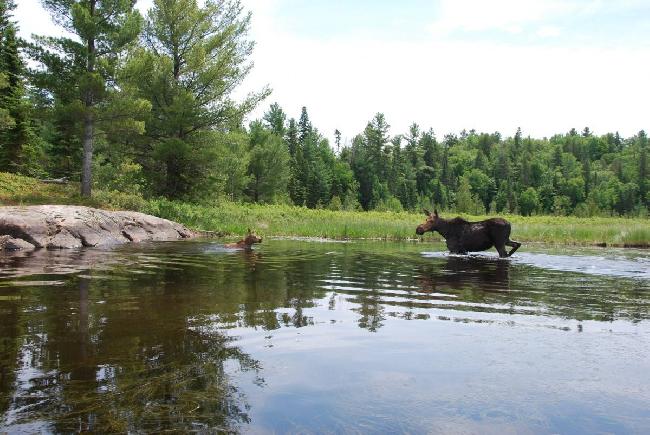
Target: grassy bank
column 282, row 220
column 277, row 220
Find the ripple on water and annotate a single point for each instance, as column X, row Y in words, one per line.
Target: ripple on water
column 607, row 264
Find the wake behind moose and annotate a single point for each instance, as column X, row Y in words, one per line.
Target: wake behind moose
column 462, row 236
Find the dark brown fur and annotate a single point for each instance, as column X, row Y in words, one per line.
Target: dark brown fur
column 245, row 243
column 463, row 236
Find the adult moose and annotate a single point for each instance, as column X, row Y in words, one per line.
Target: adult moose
column 463, row 236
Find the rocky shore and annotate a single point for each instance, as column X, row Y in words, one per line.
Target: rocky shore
column 65, row 227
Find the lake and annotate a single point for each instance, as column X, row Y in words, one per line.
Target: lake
column 313, row 336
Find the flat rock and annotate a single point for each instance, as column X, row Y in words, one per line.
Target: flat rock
column 65, row 226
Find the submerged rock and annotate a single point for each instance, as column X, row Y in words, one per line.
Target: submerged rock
column 65, row 226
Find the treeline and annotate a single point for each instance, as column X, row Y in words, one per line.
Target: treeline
column 144, row 105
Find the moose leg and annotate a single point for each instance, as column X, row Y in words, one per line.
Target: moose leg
column 501, row 249
column 455, row 247
column 514, row 245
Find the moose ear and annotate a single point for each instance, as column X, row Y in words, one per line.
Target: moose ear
column 435, row 212
column 426, row 212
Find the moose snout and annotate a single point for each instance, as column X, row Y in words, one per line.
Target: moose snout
column 419, row 230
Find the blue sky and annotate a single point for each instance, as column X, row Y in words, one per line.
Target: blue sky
column 543, row 65
column 515, row 22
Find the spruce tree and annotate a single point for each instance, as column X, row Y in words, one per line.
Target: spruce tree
column 643, row 168
column 304, row 126
column 292, row 137
column 337, row 140
column 15, row 124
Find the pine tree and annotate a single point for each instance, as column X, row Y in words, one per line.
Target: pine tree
column 192, row 60
column 104, row 29
column 276, row 119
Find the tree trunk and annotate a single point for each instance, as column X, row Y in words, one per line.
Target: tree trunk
column 89, row 122
column 86, row 167
column 172, row 180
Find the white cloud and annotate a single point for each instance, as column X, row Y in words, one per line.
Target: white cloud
column 450, row 85
column 548, row 31
column 504, row 15
column 33, row 19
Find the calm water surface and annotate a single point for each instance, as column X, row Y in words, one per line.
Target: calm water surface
column 323, row 337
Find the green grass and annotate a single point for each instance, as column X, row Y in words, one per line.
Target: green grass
column 284, row 220
column 19, row 190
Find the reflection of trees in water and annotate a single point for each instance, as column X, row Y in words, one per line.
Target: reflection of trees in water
column 131, row 364
column 499, row 284
column 369, row 297
column 376, row 279
column 156, row 355
column 9, row 348
column 271, row 294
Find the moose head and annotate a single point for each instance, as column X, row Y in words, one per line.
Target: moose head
column 252, row 238
column 431, row 224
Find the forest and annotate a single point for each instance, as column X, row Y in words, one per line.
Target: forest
column 145, row 105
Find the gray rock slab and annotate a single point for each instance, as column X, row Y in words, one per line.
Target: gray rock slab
column 66, row 226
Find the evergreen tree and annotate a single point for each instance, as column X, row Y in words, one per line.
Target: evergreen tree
column 17, row 139
column 292, row 137
column 297, row 188
column 104, row 29
column 529, row 201
column 269, row 165
column 233, row 164
column 466, row 202
column 337, row 140
column 304, row 126
column 193, row 58
column 6, row 120
column 276, row 119
column 586, row 166
column 643, row 178
column 370, row 162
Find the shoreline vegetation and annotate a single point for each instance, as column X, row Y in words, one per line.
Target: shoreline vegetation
column 227, row 218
